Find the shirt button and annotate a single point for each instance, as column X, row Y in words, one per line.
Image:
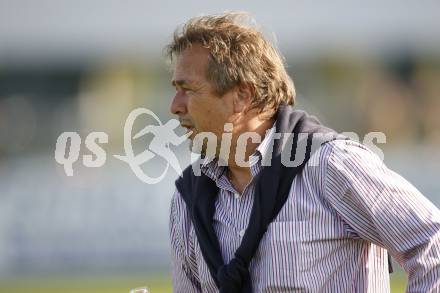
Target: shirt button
column 236, row 195
column 241, row 233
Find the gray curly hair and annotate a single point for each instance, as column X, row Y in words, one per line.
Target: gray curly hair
column 239, row 53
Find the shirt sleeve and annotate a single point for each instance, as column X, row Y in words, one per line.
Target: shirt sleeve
column 387, row 210
column 184, row 281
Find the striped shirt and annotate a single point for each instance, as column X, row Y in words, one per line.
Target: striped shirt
column 344, row 211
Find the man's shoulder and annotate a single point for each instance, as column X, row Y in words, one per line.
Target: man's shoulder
column 178, row 209
column 336, row 156
column 344, row 149
column 185, row 183
column 184, row 178
column 184, row 194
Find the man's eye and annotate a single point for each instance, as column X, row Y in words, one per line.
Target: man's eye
column 184, row 89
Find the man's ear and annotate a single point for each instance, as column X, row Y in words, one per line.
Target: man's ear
column 243, row 97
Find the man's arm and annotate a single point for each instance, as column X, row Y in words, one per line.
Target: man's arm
column 387, row 210
column 184, row 280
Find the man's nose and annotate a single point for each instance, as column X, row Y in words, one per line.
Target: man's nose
column 178, row 104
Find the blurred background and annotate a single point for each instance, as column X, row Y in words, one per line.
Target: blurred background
column 84, row 65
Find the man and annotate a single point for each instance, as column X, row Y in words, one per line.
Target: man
column 322, row 226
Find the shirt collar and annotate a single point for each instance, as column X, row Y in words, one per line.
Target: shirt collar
column 212, row 169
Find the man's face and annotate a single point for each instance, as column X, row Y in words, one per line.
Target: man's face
column 199, row 108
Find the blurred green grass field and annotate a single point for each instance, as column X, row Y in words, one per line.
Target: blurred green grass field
column 157, row 283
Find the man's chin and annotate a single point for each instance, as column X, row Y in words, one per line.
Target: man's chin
column 200, row 146
column 196, row 148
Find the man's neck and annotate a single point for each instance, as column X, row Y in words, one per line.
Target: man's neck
column 240, row 175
